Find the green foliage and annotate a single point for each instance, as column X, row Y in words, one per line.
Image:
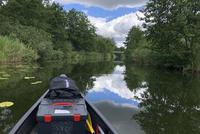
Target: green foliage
column 104, row 45
column 137, row 47
column 34, row 38
column 81, row 56
column 46, row 52
column 81, row 31
column 27, row 34
column 58, row 24
column 50, row 30
column 11, row 50
column 171, row 37
column 27, row 12
column 173, row 30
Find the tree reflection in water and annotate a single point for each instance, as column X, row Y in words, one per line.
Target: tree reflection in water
column 171, row 103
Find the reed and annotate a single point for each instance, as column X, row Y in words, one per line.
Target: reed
column 12, row 51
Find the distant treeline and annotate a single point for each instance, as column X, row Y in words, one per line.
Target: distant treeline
column 170, row 36
column 48, row 31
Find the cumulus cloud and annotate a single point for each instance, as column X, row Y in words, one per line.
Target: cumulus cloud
column 117, row 28
column 108, row 4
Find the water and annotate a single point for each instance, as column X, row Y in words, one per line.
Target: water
column 135, row 100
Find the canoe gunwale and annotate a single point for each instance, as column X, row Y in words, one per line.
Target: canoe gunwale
column 99, row 119
column 23, row 119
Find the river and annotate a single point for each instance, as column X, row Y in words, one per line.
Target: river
column 135, row 100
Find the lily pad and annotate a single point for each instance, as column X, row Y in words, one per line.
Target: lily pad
column 37, row 82
column 35, row 67
column 2, row 78
column 6, row 104
column 6, row 75
column 24, row 70
column 28, row 78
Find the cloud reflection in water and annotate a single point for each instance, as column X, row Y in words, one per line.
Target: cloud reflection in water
column 112, row 87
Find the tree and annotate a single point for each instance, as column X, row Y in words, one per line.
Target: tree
column 27, row 12
column 104, row 45
column 137, row 47
column 58, row 22
column 135, row 35
column 81, row 31
column 49, row 29
column 172, row 28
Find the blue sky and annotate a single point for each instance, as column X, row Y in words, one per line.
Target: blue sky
column 112, row 18
column 101, row 12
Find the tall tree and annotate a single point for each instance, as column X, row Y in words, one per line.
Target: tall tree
column 136, row 46
column 172, row 28
column 27, row 12
column 81, row 31
column 58, row 21
column 135, row 35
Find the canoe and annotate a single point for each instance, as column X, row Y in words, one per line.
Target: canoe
column 28, row 121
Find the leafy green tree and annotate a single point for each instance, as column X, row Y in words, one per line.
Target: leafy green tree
column 137, row 47
column 104, row 45
column 58, row 23
column 135, row 36
column 50, row 30
column 81, row 31
column 172, row 27
column 27, row 12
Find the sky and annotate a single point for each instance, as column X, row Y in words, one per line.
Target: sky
column 112, row 18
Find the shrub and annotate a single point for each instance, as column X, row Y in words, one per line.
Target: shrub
column 12, row 50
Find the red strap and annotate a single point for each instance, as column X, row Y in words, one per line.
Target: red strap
column 63, row 104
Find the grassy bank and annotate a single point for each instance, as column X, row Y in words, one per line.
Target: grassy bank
column 77, row 57
column 13, row 51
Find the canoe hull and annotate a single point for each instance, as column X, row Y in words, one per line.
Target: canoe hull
column 26, row 124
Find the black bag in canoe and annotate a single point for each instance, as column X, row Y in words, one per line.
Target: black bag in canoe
column 63, row 87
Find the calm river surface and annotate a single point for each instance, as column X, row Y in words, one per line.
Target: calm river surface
column 135, row 100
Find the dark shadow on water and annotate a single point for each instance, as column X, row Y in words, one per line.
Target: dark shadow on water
column 170, row 105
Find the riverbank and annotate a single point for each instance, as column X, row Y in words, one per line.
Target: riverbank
column 12, row 51
column 57, row 35
column 141, row 50
column 164, row 67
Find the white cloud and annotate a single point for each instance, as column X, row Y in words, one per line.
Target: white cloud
column 117, row 28
column 108, row 4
